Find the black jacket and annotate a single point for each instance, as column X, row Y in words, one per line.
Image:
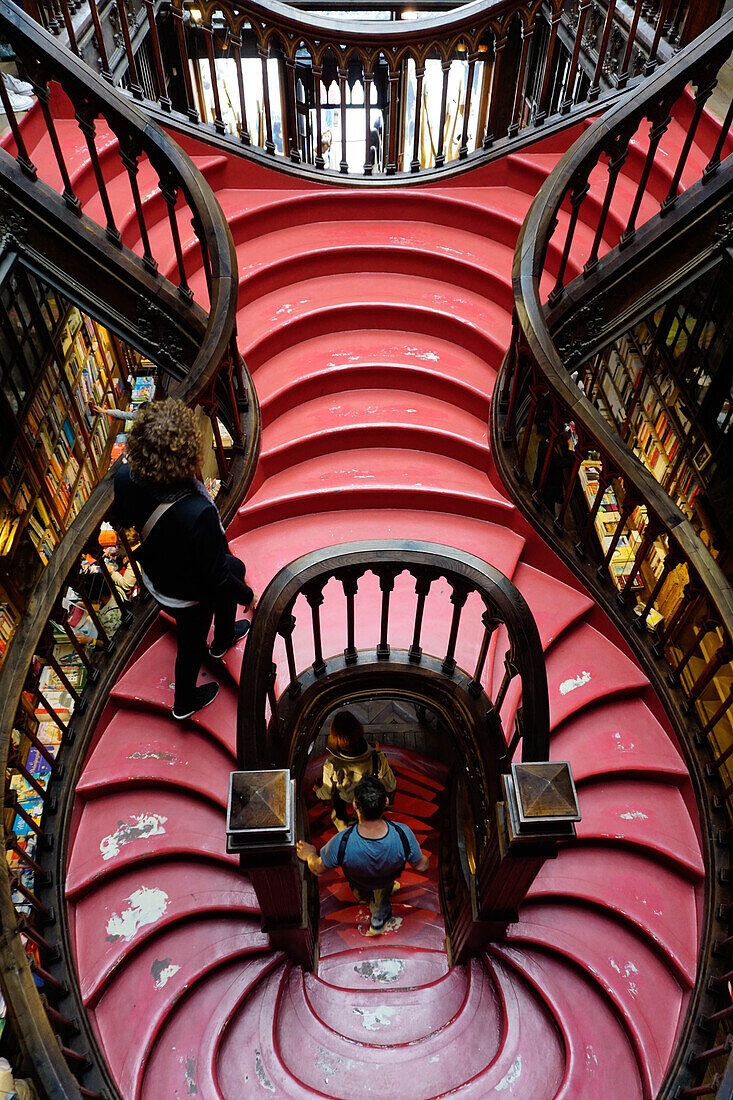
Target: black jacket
column 185, row 555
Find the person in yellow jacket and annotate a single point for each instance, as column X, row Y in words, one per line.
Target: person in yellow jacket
column 350, row 758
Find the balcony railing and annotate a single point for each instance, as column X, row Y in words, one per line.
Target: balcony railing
column 605, row 514
column 376, row 97
column 192, row 340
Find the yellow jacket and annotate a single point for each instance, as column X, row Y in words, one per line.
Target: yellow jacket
column 343, row 773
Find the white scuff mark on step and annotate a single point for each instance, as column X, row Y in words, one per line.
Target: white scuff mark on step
column 191, row 1086
column 284, row 309
column 625, row 970
column 154, row 754
column 634, row 815
column 376, row 1016
column 137, row 827
column 381, row 970
column 575, row 682
column 262, row 1077
column 620, row 745
column 162, row 971
column 512, row 1076
column 147, row 905
column 330, row 1063
column 430, row 356
column 591, row 1058
column 435, row 1058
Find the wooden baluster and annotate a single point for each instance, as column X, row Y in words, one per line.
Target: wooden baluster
column 595, row 87
column 579, row 191
column 495, row 93
column 272, row 696
column 721, row 656
column 714, row 163
column 13, row 803
column 53, row 713
column 673, row 677
column 458, row 598
column 15, row 763
column 527, row 33
column 687, row 608
column 209, row 32
column 291, row 110
column 559, row 520
column 101, row 48
column 17, row 884
column 26, row 928
column 544, row 96
column 68, row 195
column 314, row 597
column 22, row 157
column 122, row 606
column 264, row 53
column 703, row 93
column 169, row 191
column 490, row 625
column 463, row 151
column 68, row 24
column 285, row 630
column 440, row 154
column 178, row 17
column 553, row 433
column 623, row 77
column 386, row 584
column 12, row 845
column 129, row 159
column 57, row 1017
column 651, row 63
column 134, row 86
column 645, row 545
column 419, row 77
column 86, row 125
column 534, row 398
column 43, row 751
column 64, row 679
column 103, row 640
column 567, row 102
column 422, row 587
column 163, row 97
column 342, row 76
column 617, row 156
column 393, row 78
column 603, row 482
column 656, row 133
column 318, row 158
column 722, row 1048
column 81, row 1060
column 510, row 671
column 350, row 586
column 236, row 43
column 712, row 723
column 708, row 1089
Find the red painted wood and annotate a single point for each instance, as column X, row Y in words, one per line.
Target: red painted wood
column 374, row 322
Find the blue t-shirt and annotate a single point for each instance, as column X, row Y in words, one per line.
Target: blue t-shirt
column 372, row 863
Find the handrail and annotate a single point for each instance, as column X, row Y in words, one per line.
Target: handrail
column 502, row 74
column 191, row 337
column 559, row 319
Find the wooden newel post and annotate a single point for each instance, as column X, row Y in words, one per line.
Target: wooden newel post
column 537, row 813
column 261, row 829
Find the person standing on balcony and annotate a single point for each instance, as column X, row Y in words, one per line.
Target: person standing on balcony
column 350, row 759
column 373, row 853
column 184, row 555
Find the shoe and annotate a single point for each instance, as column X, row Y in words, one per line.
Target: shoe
column 376, row 927
column 240, row 629
column 202, row 696
column 20, row 87
column 20, row 103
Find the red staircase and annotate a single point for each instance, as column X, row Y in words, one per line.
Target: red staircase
column 373, row 321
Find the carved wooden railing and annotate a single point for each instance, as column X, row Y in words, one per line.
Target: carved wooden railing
column 295, row 672
column 191, row 338
column 445, row 87
column 625, row 262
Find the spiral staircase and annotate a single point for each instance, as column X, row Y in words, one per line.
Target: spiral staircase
column 374, row 322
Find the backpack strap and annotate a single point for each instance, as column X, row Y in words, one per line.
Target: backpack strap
column 342, row 845
column 403, row 838
column 375, row 762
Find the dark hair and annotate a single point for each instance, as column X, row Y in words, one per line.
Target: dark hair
column 370, row 798
column 346, row 735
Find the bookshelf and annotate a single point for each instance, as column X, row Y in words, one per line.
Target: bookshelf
column 55, row 362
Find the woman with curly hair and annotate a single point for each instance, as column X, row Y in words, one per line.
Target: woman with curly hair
column 184, row 555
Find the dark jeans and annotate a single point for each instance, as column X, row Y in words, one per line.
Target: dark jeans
column 378, row 900
column 193, row 627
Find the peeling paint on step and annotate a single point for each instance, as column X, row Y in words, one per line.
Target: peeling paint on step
column 375, row 1016
column 138, row 827
column 262, row 1077
column 512, row 1076
column 147, row 905
column 381, row 970
column 162, row 971
column 575, row 682
column 634, row 815
column 152, row 754
column 191, row 1086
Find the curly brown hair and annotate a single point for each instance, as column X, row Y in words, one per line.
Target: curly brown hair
column 164, row 444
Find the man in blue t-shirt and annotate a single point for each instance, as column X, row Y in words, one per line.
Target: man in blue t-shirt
column 373, row 853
